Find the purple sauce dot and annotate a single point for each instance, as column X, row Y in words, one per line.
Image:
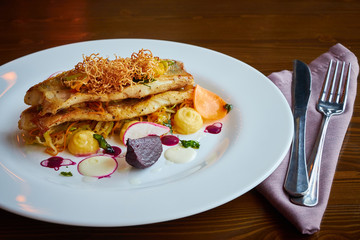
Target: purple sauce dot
column 214, row 128
column 169, row 140
column 116, row 152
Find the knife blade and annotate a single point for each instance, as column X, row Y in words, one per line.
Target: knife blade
column 297, row 181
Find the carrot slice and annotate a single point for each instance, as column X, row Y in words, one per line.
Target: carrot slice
column 208, row 104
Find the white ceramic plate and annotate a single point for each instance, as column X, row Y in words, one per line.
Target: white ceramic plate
column 256, row 135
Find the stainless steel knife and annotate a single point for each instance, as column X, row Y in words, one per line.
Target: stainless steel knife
column 297, row 181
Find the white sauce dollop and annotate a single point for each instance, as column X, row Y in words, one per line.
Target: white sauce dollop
column 179, row 154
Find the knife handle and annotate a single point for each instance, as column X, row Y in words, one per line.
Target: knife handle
column 297, row 182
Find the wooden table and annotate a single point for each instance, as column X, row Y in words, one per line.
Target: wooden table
column 265, row 34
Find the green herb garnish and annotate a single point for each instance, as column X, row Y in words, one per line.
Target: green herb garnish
column 168, row 124
column 228, row 107
column 66, row 174
column 72, row 129
column 145, row 81
column 190, row 143
column 103, row 144
column 75, row 76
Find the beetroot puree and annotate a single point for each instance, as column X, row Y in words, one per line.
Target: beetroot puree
column 214, row 128
column 169, row 140
column 116, row 152
column 56, row 162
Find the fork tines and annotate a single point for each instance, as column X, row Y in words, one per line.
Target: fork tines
column 340, row 85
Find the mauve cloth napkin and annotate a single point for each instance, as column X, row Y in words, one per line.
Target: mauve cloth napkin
column 308, row 219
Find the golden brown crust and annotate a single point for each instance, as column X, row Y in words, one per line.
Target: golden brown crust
column 53, row 96
column 125, row 109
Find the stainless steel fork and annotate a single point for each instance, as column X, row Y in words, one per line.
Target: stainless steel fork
column 332, row 101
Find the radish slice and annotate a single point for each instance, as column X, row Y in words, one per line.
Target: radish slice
column 99, row 166
column 143, row 129
column 54, row 74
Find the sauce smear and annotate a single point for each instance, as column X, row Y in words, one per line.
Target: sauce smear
column 179, row 154
column 56, row 162
column 116, row 152
column 214, row 128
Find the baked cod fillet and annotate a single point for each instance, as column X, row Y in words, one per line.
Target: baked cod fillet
column 51, row 95
column 101, row 95
column 114, row 111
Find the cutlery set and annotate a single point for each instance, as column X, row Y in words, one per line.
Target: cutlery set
column 302, row 179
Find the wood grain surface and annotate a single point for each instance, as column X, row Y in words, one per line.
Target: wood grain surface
column 268, row 35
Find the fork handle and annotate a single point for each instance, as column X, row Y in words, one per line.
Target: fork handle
column 296, row 182
column 312, row 197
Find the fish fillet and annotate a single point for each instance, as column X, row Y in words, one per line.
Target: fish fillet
column 51, row 96
column 115, row 111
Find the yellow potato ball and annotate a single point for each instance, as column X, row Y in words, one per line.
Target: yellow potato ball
column 187, row 121
column 83, row 143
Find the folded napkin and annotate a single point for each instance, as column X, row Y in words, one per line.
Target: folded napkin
column 307, row 219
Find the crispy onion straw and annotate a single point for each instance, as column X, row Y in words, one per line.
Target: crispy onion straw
column 99, row 75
